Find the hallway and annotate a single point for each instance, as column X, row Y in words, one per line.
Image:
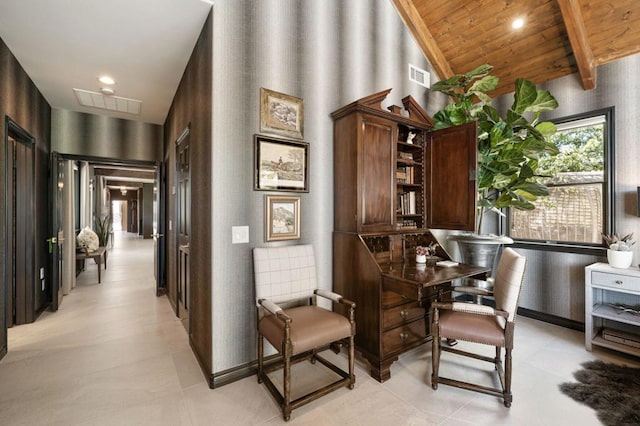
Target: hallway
column 115, row 354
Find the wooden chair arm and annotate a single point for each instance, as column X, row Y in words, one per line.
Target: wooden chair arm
column 471, row 308
column 479, row 291
column 334, row 297
column 275, row 309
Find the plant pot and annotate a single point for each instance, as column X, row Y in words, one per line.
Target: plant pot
column 421, row 258
column 480, row 250
column 619, row 259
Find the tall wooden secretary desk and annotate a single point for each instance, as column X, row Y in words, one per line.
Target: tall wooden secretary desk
column 394, row 179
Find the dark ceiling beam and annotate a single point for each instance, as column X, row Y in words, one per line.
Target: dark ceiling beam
column 577, row 32
column 412, row 19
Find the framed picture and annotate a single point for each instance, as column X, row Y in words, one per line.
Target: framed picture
column 281, row 164
column 280, row 113
column 282, row 217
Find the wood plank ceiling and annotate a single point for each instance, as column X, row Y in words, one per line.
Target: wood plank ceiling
column 559, row 37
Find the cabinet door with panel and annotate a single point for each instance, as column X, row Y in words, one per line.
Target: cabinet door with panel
column 450, row 178
column 377, row 191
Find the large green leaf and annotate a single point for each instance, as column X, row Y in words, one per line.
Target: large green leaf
column 526, row 172
column 485, row 84
column 479, row 71
column 544, row 102
column 520, row 205
column 524, row 96
column 492, row 114
column 533, row 188
column 546, row 128
column 516, row 120
column 449, row 84
column 524, row 195
column 458, row 116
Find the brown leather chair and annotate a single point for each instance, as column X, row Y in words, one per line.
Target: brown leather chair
column 482, row 324
column 284, row 275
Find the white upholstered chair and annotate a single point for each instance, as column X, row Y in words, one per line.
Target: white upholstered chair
column 284, row 275
column 482, row 324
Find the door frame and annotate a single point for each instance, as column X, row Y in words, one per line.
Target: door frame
column 176, row 229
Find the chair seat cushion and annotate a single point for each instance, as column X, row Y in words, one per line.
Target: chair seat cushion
column 471, row 328
column 311, row 327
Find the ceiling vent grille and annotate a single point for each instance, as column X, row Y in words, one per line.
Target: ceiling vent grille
column 420, row 76
column 111, row 103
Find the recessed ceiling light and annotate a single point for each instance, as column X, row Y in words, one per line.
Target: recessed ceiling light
column 107, row 91
column 517, row 23
column 105, row 79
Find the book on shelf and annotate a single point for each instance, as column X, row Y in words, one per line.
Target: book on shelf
column 405, row 155
column 406, row 203
column 405, row 175
column 407, row 224
column 412, row 202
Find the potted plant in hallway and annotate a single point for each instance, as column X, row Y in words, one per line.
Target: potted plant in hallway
column 103, row 229
column 509, row 149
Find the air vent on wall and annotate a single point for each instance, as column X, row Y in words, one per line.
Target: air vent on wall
column 419, row 76
column 111, row 103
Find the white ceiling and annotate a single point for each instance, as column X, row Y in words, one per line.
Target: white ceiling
column 143, row 44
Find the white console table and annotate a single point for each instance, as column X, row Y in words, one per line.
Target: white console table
column 606, row 289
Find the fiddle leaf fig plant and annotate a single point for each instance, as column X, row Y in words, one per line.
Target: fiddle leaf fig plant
column 509, row 147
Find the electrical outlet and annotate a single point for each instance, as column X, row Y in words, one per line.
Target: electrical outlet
column 239, row 234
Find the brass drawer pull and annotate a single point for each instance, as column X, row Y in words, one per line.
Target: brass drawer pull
column 404, row 336
column 404, row 314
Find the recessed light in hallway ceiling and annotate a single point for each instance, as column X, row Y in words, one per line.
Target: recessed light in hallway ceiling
column 112, row 103
column 105, row 79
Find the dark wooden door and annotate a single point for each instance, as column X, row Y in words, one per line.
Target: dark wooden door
column 450, row 184
column 158, row 231
column 20, row 244
column 183, row 198
column 56, row 239
column 377, row 161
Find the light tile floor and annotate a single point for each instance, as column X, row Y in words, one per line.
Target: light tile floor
column 115, row 354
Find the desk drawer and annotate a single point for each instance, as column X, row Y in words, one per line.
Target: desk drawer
column 402, row 336
column 623, row 282
column 401, row 314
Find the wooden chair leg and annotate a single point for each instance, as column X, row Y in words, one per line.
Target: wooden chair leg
column 286, row 406
column 508, row 397
column 435, row 357
column 260, row 357
column 498, row 355
column 352, row 376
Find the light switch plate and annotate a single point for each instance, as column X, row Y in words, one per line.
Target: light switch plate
column 239, row 234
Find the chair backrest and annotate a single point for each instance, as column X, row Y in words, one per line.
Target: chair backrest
column 284, row 273
column 508, row 281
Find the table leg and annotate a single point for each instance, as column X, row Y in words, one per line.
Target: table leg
column 99, row 268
